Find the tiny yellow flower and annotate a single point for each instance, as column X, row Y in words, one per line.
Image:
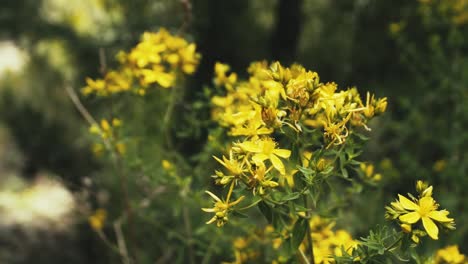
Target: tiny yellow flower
column 116, row 122
column 221, row 208
column 120, row 148
column 167, row 165
column 97, row 220
column 105, row 125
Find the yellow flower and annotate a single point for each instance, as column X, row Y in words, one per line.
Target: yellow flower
column 120, row 148
column 157, row 75
column 105, row 125
column 265, row 149
column 450, row 255
column 167, row 165
column 426, row 211
column 232, row 165
column 254, row 126
column 221, row 208
column 96, row 220
column 439, row 165
column 221, row 78
column 116, row 122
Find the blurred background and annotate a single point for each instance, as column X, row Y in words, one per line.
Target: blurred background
column 413, row 52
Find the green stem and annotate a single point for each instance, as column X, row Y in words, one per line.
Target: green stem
column 309, row 232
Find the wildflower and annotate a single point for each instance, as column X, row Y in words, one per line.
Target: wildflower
column 261, row 180
column 439, row 165
column 221, row 208
column 97, row 149
column 252, row 127
column 368, row 170
column 221, row 78
column 232, row 165
column 120, row 148
column 265, row 149
column 450, row 254
column 424, row 209
column 167, row 165
column 327, row 241
column 156, row 59
column 96, row 220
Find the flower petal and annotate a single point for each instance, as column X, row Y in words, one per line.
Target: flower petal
column 277, row 163
column 410, row 218
column 440, row 216
column 428, row 203
column 216, row 198
column 431, row 228
column 250, row 146
column 220, row 161
column 212, row 220
column 284, row 153
column 407, row 203
column 259, row 158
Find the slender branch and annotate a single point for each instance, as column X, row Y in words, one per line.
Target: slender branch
column 79, row 106
column 209, row 252
column 115, row 156
column 102, row 61
column 121, row 242
column 187, row 6
column 394, row 243
column 168, row 116
column 309, row 232
column 304, row 257
column 188, row 230
column 108, row 243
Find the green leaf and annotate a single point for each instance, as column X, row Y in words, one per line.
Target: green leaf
column 298, row 232
column 361, row 136
column 239, row 214
column 344, row 172
column 266, row 211
column 290, row 197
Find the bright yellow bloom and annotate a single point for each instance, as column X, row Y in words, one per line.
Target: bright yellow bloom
column 328, row 242
column 167, row 165
column 155, row 60
column 234, row 166
column 221, row 78
column 97, row 220
column 450, row 255
column 426, row 211
column 265, row 149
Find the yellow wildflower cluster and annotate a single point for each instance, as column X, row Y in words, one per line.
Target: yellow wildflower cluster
column 275, row 99
column 450, row 255
column 97, row 219
column 327, row 241
column 275, row 96
column 457, row 10
column 243, row 250
column 157, row 59
column 368, row 171
column 107, row 131
column 408, row 212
